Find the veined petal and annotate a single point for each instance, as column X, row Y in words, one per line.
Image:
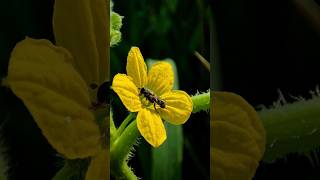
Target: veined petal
column 99, row 166
column 239, row 138
column 42, row 76
column 127, row 91
column 84, row 32
column 160, row 78
column 151, row 127
column 178, row 107
column 136, row 67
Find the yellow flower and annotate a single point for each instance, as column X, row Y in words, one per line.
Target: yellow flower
column 54, row 81
column 159, row 80
column 237, row 137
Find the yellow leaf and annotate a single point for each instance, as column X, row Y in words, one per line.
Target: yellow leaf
column 151, row 127
column 238, row 137
column 160, row 78
column 42, row 76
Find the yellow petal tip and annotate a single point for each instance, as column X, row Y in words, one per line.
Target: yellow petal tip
column 151, row 127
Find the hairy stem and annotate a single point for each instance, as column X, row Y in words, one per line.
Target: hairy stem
column 120, row 150
column 291, row 128
column 201, row 102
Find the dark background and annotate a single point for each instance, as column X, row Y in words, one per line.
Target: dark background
column 263, row 47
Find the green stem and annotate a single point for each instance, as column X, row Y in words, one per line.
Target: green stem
column 127, row 173
column 124, row 124
column 120, row 150
column 113, row 129
column 291, row 128
column 65, row 173
column 201, row 102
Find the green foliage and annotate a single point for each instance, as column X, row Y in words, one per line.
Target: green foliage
column 121, row 147
column 115, row 26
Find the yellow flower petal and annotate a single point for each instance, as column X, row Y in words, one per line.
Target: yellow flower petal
column 42, row 76
column 136, row 67
column 151, row 127
column 160, row 78
column 178, row 107
column 99, row 166
column 127, row 91
column 82, row 27
column 238, row 138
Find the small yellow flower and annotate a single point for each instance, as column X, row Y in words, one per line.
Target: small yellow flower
column 53, row 81
column 159, row 80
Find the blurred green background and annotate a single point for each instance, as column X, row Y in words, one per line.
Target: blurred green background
column 162, row 29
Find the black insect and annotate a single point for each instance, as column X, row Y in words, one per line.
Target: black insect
column 151, row 97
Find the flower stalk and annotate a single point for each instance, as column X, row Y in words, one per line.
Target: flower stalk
column 291, row 128
column 201, row 102
column 120, row 150
column 124, row 124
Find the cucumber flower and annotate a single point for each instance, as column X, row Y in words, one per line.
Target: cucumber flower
column 151, row 95
column 58, row 83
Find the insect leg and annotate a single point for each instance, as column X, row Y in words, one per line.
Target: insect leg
column 154, row 105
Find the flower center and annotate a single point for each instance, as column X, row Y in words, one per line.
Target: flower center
column 148, row 98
